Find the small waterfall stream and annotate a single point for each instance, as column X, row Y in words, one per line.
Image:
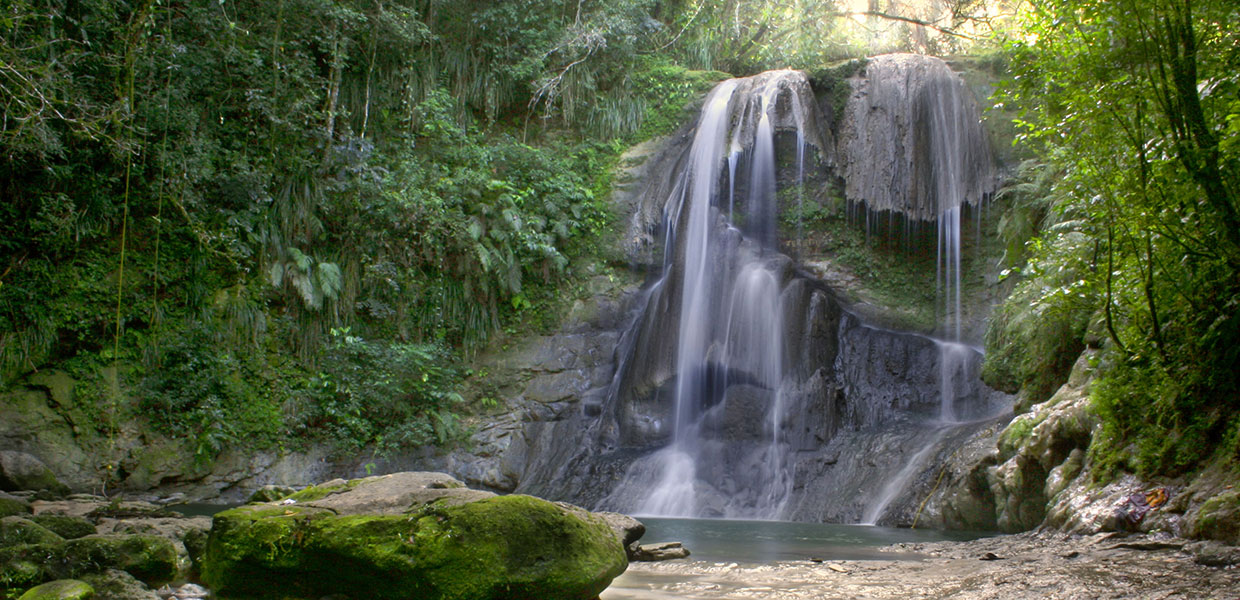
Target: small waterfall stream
column 730, row 281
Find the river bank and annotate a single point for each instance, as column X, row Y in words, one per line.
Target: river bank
column 1031, row 565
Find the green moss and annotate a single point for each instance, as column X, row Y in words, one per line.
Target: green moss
column 13, row 506
column 323, row 490
column 17, row 530
column 63, row 589
column 1219, row 518
column 1015, row 435
column 832, row 81
column 65, row 526
column 147, row 557
column 150, row 558
column 502, row 547
column 670, row 91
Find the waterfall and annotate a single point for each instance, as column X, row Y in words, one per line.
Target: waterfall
column 721, row 300
column 744, row 388
column 916, row 149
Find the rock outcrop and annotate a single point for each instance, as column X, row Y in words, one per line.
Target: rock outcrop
column 911, row 140
column 20, row 471
column 411, row 535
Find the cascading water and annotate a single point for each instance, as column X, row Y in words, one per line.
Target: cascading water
column 743, row 388
column 729, row 334
column 939, row 163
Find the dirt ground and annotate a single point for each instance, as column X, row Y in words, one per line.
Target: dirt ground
column 1025, row 566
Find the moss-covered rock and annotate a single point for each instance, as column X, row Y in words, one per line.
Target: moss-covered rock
column 66, row 526
column 114, row 584
column 1218, row 519
column 63, row 589
column 398, row 541
column 12, row 505
column 271, row 493
column 19, row 530
column 149, row 558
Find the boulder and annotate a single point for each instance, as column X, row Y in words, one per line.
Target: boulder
column 411, row 535
column 66, row 526
column 21, row 471
column 1214, row 554
column 271, row 493
column 1041, row 454
column 114, row 584
column 148, row 558
column 19, row 530
column 12, row 505
column 627, row 529
column 63, row 589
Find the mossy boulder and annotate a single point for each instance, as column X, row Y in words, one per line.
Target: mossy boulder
column 12, row 505
column 1218, row 519
column 271, row 493
column 63, row 589
column 19, row 530
column 149, row 558
column 411, row 535
column 113, row 584
column 66, row 526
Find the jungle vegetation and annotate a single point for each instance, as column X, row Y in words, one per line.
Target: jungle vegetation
column 265, row 221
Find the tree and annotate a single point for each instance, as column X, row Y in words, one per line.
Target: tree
column 1136, row 102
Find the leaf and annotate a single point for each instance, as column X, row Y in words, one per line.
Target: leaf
column 276, row 273
column 330, row 280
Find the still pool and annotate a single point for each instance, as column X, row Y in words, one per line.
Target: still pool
column 734, row 559
column 752, row 542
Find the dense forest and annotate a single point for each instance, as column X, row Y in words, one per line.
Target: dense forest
column 270, row 222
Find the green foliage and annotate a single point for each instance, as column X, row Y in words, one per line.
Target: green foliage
column 384, row 395
column 209, row 394
column 1036, row 335
column 1133, row 102
column 649, row 101
column 901, row 283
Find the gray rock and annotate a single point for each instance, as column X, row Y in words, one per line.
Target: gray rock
column 22, row 471
column 271, row 493
column 662, row 551
column 18, row 530
column 392, row 494
column 114, row 584
column 627, row 529
column 1214, row 554
column 890, row 146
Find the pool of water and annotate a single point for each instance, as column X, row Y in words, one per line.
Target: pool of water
column 767, row 560
column 755, row 542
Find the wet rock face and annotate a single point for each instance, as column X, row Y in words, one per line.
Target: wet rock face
column 424, row 535
column 911, row 140
column 1039, row 452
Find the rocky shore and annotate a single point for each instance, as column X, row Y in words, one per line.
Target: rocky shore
column 1022, row 566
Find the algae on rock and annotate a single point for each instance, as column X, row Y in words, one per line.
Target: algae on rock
column 407, row 535
column 61, row 589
